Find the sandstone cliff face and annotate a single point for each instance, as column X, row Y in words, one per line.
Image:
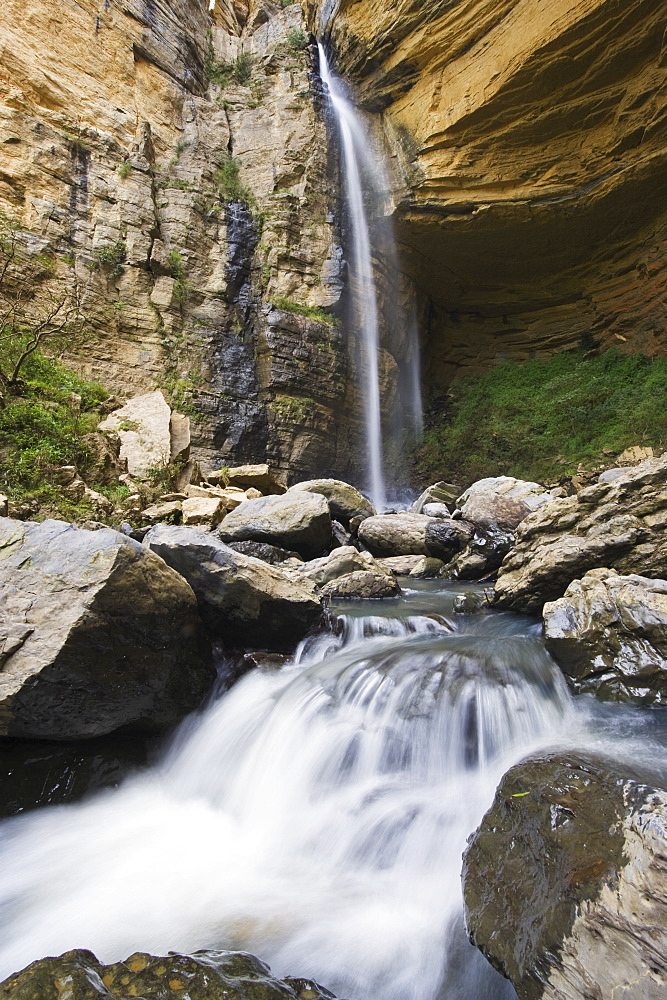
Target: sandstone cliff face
column 530, row 147
column 189, row 202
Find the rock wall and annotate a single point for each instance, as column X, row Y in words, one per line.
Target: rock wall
column 194, row 208
column 530, row 145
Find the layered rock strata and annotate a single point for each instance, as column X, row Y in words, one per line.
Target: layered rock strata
column 530, row 144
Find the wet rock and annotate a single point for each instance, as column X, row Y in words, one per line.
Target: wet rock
column 609, row 635
column 440, row 493
column 258, row 477
column 362, row 585
column 297, row 520
column 267, row 553
column 144, row 428
column 98, row 634
column 397, row 534
column 470, row 604
column 205, row 975
column 483, row 554
column 242, row 600
column 565, row 882
column 445, row 537
column 345, row 502
column 341, row 562
column 618, row 525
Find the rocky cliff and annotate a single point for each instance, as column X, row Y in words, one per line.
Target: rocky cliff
column 530, row 146
column 173, row 157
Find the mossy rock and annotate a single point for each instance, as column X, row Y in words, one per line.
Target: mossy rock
column 205, row 975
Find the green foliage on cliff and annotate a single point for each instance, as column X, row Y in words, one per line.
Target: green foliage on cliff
column 300, row 309
column 541, row 419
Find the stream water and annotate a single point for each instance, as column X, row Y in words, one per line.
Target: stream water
column 316, row 815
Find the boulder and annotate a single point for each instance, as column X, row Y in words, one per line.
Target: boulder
column 345, row 502
column 445, row 537
column 241, row 600
column 206, row 975
column 427, row 568
column 618, row 525
column 470, row 603
column 362, row 585
column 341, row 562
column 482, row 556
column 203, row 510
column 296, row 520
column 436, row 510
column 169, row 512
column 258, row 477
column 490, row 494
column 565, row 882
column 440, row 493
column 396, row 534
column 97, row 634
column 399, row 565
column 144, row 428
column 267, row 553
column 609, row 635
column 179, row 434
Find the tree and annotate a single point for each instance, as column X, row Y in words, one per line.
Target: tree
column 38, row 302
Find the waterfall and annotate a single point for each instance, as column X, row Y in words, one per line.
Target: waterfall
column 358, row 162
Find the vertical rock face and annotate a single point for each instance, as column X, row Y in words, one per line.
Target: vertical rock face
column 530, row 141
column 172, row 159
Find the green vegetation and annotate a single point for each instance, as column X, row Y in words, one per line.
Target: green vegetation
column 228, row 182
column 123, row 169
column 181, row 284
column 110, row 258
column 224, row 73
column 297, row 40
column 295, row 408
column 181, row 146
column 299, row 309
column 541, row 419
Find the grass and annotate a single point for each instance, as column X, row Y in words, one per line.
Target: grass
column 541, row 419
column 229, row 184
column 299, row 309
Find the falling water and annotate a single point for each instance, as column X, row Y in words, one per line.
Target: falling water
column 358, row 156
column 314, row 816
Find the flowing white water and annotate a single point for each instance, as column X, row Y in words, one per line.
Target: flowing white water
column 357, row 154
column 314, row 816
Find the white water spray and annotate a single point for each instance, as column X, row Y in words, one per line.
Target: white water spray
column 314, row 816
column 357, row 153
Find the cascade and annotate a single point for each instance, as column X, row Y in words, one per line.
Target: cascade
column 363, row 179
column 314, row 816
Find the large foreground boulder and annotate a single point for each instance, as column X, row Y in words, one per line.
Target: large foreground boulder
column 242, row 600
column 296, row 520
column 618, row 525
column 565, row 882
column 609, row 635
column 206, row 975
column 97, row 634
column 345, row 502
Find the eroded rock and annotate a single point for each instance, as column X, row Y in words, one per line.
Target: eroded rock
column 341, row 562
column 99, row 634
column 243, row 600
column 618, row 525
column 362, row 585
column 609, row 635
column 396, row 534
column 345, row 502
column 296, row 520
column 259, row 477
column 565, row 882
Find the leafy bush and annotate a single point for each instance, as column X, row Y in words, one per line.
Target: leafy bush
column 540, row 419
column 228, row 182
column 297, row 40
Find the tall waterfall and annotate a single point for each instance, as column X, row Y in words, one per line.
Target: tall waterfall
column 363, row 174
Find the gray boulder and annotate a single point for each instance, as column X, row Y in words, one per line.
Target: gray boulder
column 241, row 600
column 342, row 561
column 362, row 585
column 440, row 493
column 501, row 500
column 267, row 553
column 444, row 538
column 618, row 525
column 96, row 633
column 565, row 882
column 345, row 502
column 396, row 534
column 296, row 520
column 609, row 635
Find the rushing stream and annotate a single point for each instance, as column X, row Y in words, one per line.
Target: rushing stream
column 314, row 815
